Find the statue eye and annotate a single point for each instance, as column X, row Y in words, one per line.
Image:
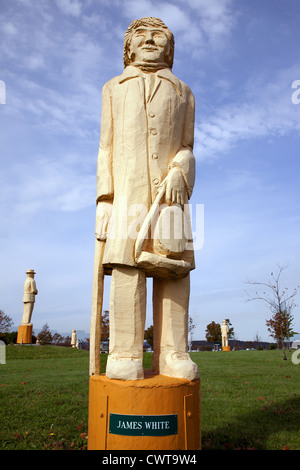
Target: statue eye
column 139, row 33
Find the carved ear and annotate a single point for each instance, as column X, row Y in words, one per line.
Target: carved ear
column 129, row 56
column 126, row 54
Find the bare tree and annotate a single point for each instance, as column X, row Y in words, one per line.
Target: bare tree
column 257, row 339
column 5, row 322
column 280, row 301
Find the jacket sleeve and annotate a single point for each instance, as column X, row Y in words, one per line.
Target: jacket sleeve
column 185, row 159
column 105, row 155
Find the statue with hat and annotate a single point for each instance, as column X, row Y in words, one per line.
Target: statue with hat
column 225, row 336
column 29, row 293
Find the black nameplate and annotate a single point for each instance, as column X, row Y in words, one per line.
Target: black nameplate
column 143, row 425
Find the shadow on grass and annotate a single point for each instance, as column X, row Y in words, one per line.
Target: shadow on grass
column 257, row 430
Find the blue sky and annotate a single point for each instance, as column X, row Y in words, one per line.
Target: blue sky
column 240, row 59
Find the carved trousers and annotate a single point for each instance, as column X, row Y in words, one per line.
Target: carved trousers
column 128, row 298
column 27, row 312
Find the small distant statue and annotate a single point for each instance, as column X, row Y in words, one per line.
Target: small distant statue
column 73, row 339
column 225, row 333
column 29, row 293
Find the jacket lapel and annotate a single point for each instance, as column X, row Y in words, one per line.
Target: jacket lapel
column 165, row 74
column 155, row 87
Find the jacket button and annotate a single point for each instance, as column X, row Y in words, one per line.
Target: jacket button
column 154, row 156
column 155, row 181
column 151, row 114
column 153, row 131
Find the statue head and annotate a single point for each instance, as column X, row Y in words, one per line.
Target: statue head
column 150, row 40
column 30, row 272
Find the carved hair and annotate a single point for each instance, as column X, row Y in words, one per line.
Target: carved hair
column 148, row 21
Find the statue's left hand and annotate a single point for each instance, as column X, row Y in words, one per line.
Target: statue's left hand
column 175, row 189
column 103, row 215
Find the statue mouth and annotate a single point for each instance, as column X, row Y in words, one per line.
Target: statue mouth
column 150, row 49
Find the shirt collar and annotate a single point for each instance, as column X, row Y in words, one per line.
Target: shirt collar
column 133, row 72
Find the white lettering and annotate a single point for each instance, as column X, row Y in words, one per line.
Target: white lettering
column 129, row 425
column 295, row 357
column 2, row 352
column 139, row 212
column 2, row 92
column 197, row 241
column 157, row 425
column 295, row 95
column 127, row 220
column 170, row 459
column 113, row 460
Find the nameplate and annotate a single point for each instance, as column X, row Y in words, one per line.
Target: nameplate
column 143, row 425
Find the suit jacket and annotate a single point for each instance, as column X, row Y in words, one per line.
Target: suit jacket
column 142, row 139
column 30, row 290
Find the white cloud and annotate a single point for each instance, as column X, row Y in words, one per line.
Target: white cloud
column 9, row 28
column 135, row 9
column 34, row 62
column 83, row 57
column 45, row 183
column 266, row 111
column 200, row 24
column 70, row 7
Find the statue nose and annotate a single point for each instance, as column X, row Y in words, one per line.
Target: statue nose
column 149, row 39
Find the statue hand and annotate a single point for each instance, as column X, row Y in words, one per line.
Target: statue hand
column 175, row 189
column 103, row 215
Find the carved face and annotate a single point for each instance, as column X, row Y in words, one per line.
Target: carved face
column 148, row 44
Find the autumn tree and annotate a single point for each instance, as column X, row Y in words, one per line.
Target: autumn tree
column 281, row 303
column 57, row 338
column 105, row 326
column 45, row 335
column 213, row 332
column 280, row 327
column 5, row 322
column 231, row 329
column 149, row 336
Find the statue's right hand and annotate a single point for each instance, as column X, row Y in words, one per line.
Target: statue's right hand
column 103, row 215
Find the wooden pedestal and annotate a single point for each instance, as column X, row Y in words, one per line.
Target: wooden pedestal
column 25, row 334
column 155, row 413
column 226, row 348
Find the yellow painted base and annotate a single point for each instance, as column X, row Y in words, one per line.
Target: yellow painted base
column 226, row 348
column 155, row 395
column 25, row 334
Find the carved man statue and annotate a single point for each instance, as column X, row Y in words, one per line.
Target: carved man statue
column 146, row 158
column 224, row 331
column 73, row 339
column 29, row 293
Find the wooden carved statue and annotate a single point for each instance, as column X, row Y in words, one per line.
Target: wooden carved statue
column 145, row 177
column 29, row 293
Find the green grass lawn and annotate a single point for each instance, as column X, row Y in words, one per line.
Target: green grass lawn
column 250, row 399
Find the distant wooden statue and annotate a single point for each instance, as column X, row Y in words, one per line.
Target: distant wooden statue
column 145, row 177
column 73, row 339
column 225, row 333
column 29, row 293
